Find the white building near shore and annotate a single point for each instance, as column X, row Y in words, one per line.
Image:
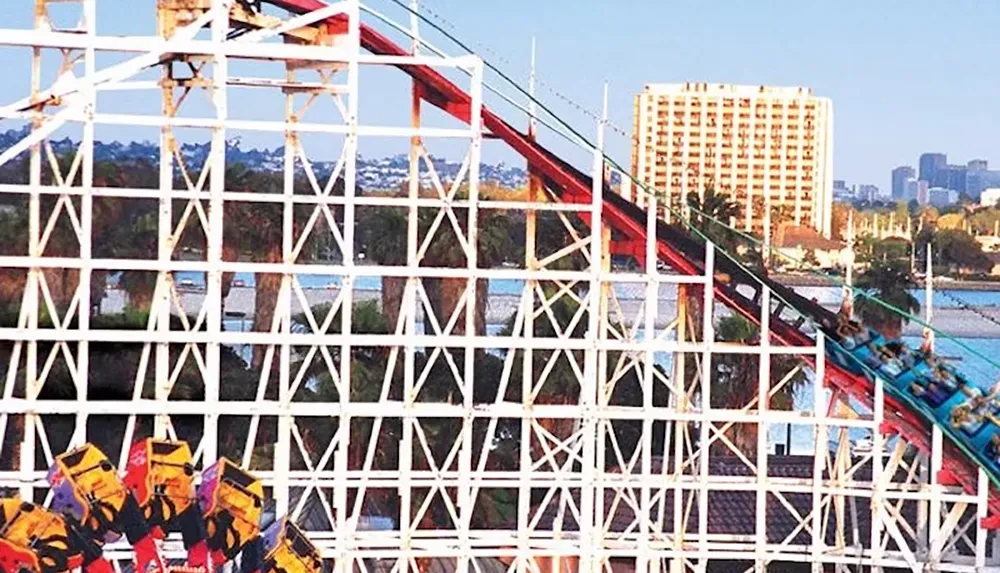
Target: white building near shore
column 770, row 148
column 990, row 197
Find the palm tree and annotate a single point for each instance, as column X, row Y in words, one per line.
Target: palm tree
column 562, row 385
column 710, row 216
column 13, row 242
column 887, row 281
column 122, row 228
column 384, row 237
column 368, row 368
column 255, row 231
column 112, row 372
column 734, row 380
column 125, row 229
column 493, row 246
column 383, row 233
column 113, row 232
column 62, row 242
column 733, row 377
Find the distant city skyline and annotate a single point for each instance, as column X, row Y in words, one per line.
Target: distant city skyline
column 872, row 60
column 936, row 176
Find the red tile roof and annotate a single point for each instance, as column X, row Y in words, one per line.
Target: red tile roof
column 789, row 237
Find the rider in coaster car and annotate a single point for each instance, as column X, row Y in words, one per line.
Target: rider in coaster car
column 994, row 448
column 927, row 346
column 937, row 381
column 932, row 386
column 896, row 358
column 852, row 334
column 945, row 378
column 891, row 364
column 964, row 417
column 903, row 354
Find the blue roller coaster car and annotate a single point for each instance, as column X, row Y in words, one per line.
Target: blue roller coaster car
column 939, row 392
column 857, row 351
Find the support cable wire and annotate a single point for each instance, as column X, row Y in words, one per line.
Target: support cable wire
column 424, row 8
column 962, row 304
column 582, row 141
column 586, row 144
column 489, row 87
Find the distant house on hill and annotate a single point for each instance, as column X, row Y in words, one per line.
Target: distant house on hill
column 801, row 243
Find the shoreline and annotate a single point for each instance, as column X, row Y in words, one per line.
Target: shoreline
column 786, row 279
column 954, row 322
column 793, row 280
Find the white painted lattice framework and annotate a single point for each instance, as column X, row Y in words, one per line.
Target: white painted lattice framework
column 534, row 449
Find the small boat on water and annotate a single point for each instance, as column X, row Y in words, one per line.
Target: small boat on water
column 862, row 446
column 865, row 446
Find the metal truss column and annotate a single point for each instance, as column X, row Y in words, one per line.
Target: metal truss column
column 282, row 455
column 595, row 368
column 160, row 304
column 217, row 182
column 879, row 513
column 411, row 301
column 763, row 405
column 822, row 447
column 29, row 304
column 531, row 263
column 645, row 562
column 466, row 489
column 705, row 435
column 85, row 275
column 350, row 157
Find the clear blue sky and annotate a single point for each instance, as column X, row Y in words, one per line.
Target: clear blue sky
column 905, row 77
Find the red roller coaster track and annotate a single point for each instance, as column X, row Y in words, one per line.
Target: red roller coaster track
column 620, row 215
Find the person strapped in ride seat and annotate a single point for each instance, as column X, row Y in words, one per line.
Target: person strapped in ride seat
column 945, row 378
column 927, row 345
column 994, row 448
column 932, row 388
column 891, row 366
column 852, row 334
column 901, row 354
column 969, row 417
column 961, row 417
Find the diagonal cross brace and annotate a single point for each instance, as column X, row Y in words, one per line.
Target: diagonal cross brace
column 114, row 73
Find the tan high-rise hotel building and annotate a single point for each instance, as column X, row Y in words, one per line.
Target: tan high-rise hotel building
column 771, row 148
